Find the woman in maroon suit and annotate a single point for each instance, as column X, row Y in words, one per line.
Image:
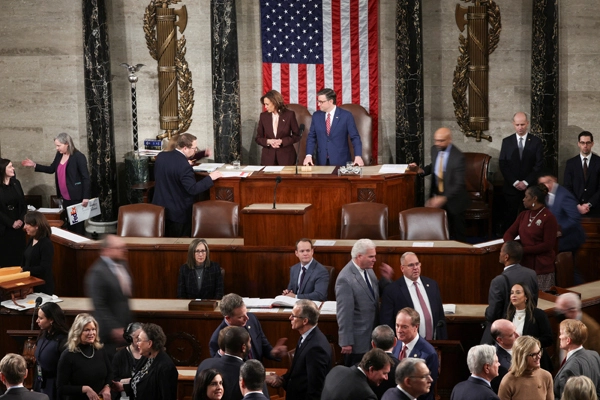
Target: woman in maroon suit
column 277, row 131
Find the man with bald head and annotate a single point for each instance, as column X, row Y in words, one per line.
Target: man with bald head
column 448, row 190
column 520, row 163
column 504, row 334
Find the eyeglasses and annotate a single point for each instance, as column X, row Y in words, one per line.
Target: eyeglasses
column 536, row 355
column 421, row 377
column 199, row 251
column 585, row 143
column 295, row 316
column 322, row 101
column 413, row 265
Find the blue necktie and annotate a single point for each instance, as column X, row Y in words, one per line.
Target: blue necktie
column 369, row 284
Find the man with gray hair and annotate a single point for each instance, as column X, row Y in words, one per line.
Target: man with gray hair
column 413, row 379
column 13, row 371
column 357, row 295
column 483, row 364
column 384, row 338
column 568, row 306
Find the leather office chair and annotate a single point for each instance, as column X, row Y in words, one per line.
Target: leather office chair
column 331, row 286
column 215, row 219
column 141, row 220
column 303, row 117
column 364, row 220
column 364, row 124
column 424, row 223
column 481, row 191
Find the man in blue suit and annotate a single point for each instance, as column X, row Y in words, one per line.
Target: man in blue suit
column 176, row 186
column 252, row 379
column 403, row 293
column 330, row 129
column 411, row 345
column 309, row 279
column 234, row 310
column 563, row 205
column 582, row 176
column 483, row 364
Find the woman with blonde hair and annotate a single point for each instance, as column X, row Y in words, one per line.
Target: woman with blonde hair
column 84, row 370
column 579, row 388
column 525, row 379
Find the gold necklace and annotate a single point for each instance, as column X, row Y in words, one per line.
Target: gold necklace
column 536, row 215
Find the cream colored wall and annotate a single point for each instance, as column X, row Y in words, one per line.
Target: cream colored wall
column 42, row 94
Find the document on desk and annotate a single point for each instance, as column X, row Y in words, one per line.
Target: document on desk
column 29, row 302
column 251, row 168
column 207, row 167
column 393, row 168
column 73, row 237
column 449, row 308
column 324, row 243
column 422, row 244
column 273, row 168
column 236, row 174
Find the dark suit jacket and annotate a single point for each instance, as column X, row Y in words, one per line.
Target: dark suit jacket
column 255, row 396
column 176, row 186
column 315, row 284
column 287, row 131
column 343, row 383
column 77, row 175
column 357, row 310
column 39, row 263
column 582, row 362
column 396, row 296
column 394, row 394
column 585, row 191
column 335, row 146
column 212, row 283
column 111, row 306
column 568, row 217
column 454, row 180
column 6, row 221
column 159, row 383
column 229, row 367
column 423, row 349
column 499, row 296
column 23, row 394
column 504, row 359
column 514, row 168
column 310, row 365
column 473, row 389
column 260, row 344
column 388, row 383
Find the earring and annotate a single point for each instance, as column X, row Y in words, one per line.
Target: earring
column 532, row 204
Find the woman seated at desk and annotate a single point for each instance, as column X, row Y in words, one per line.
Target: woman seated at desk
column 39, row 252
column 200, row 278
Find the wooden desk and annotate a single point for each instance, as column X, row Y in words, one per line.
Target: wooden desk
column 463, row 272
column 327, row 192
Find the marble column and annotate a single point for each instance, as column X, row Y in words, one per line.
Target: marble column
column 225, row 81
column 98, row 98
column 409, row 86
column 544, row 79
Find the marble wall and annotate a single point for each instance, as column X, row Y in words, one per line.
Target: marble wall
column 42, row 89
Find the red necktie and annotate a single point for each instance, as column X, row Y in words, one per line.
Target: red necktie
column 403, row 353
column 328, row 123
column 426, row 314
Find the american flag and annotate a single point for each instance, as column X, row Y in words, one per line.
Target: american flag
column 308, row 45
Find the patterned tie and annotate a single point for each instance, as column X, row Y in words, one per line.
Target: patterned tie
column 369, row 284
column 440, row 174
column 328, row 123
column 585, row 168
column 301, row 278
column 426, row 314
column 520, row 148
column 403, row 353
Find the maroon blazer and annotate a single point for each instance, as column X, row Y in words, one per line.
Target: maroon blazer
column 287, row 131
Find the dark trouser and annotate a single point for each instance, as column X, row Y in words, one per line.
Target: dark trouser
column 456, row 226
column 176, row 229
column 513, row 206
column 78, row 228
column 352, row 359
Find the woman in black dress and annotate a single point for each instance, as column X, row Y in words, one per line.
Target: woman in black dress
column 200, row 278
column 84, row 370
column 71, row 175
column 38, row 255
column 126, row 360
column 12, row 211
column 50, row 345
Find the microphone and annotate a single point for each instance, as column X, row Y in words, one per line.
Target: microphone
column 298, row 152
column 277, row 181
column 38, row 303
column 440, row 324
